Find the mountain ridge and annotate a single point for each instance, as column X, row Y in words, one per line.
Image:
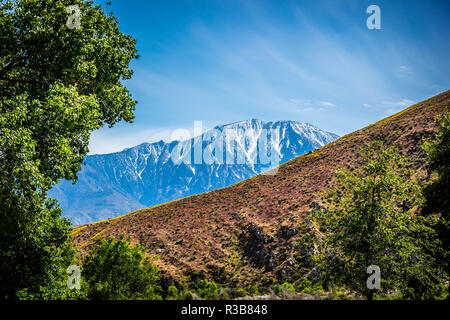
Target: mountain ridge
column 144, row 175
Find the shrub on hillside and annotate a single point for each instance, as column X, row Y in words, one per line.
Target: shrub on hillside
column 172, row 293
column 118, row 270
column 207, row 289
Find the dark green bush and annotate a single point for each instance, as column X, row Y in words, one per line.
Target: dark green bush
column 207, row 289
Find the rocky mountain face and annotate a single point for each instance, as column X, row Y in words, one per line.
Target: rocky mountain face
column 248, row 232
column 153, row 173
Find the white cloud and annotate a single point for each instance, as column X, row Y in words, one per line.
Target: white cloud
column 301, row 105
column 392, row 107
column 325, row 103
column 391, row 111
column 405, row 70
column 401, row 103
column 366, row 105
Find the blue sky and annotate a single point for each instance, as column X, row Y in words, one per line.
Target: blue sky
column 307, row 60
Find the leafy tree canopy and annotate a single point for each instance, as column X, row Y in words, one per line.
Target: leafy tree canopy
column 57, row 85
column 437, row 193
column 373, row 219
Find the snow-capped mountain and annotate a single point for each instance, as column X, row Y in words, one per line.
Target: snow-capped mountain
column 152, row 173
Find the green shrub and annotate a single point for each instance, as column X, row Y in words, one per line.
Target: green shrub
column 117, row 270
column 253, row 290
column 172, row 293
column 207, row 289
column 306, row 286
column 284, row 289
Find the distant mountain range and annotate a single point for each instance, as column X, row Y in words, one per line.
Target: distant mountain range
column 153, row 173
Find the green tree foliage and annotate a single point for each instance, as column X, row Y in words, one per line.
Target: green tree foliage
column 437, row 193
column 57, row 85
column 172, row 293
column 284, row 290
column 372, row 220
column 116, row 270
column 207, row 289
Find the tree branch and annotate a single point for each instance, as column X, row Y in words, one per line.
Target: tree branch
column 13, row 64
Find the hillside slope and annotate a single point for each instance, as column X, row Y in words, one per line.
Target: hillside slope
column 205, row 233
